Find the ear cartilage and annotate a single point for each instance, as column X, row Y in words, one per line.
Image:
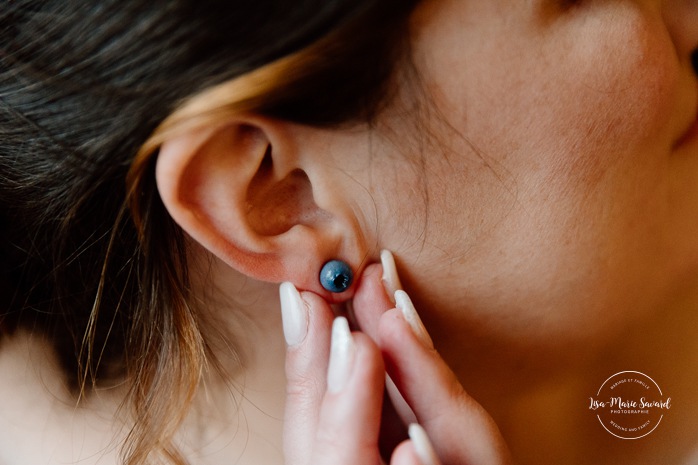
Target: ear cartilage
column 336, row 276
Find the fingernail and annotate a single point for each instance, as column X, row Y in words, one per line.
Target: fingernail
column 294, row 314
column 422, row 445
column 391, row 281
column 403, row 302
column 341, row 355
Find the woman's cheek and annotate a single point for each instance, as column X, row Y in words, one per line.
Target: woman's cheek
column 622, row 81
column 590, row 163
column 600, row 163
column 571, row 123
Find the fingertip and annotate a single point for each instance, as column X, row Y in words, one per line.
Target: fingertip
column 356, row 366
column 371, row 282
column 317, row 324
column 317, row 306
column 366, row 381
column 422, row 445
column 371, row 299
column 350, row 414
column 400, row 332
column 393, row 330
column 370, row 356
column 311, row 298
column 294, row 314
column 342, row 356
column 409, row 313
column 372, row 271
column 405, row 454
column 390, row 278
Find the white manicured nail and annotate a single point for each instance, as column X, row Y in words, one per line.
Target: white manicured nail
column 422, row 445
column 404, row 303
column 294, row 314
column 341, row 355
column 391, row 281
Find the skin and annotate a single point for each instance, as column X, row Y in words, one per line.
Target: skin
column 534, row 179
column 546, row 222
column 556, row 158
column 558, row 245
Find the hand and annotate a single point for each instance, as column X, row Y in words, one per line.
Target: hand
column 461, row 431
column 334, row 396
column 333, row 408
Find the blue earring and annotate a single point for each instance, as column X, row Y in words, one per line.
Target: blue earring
column 336, row 276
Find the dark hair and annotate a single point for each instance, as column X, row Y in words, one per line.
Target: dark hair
column 83, row 84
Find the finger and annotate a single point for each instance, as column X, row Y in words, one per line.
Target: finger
column 374, row 296
column 417, row 451
column 404, row 454
column 307, row 321
column 393, row 425
column 461, row 430
column 349, row 420
column 371, row 299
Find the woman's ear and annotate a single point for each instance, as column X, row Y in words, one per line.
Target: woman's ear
column 244, row 190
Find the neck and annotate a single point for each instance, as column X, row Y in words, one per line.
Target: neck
column 664, row 346
column 238, row 412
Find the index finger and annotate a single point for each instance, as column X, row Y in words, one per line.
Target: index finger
column 307, row 322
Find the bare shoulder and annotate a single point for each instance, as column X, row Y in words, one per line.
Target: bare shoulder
column 39, row 420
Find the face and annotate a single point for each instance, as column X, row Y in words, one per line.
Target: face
column 551, row 194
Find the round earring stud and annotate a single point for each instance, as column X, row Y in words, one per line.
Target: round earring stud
column 336, row 276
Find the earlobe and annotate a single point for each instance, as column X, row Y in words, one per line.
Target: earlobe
column 242, row 191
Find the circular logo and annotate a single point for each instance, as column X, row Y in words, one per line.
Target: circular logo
column 629, row 405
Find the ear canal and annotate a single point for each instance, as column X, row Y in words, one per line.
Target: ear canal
column 276, row 205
